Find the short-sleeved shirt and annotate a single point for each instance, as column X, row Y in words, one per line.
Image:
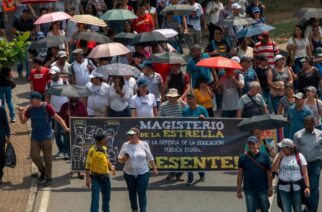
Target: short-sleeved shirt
column 168, row 109
column 269, row 50
column 255, row 178
column 23, row 25
column 81, row 71
column 97, row 160
column 221, row 46
column 197, row 71
column 143, row 105
column 230, row 92
column 39, row 78
column 307, row 79
column 154, row 81
column 204, row 100
column 97, row 102
column 251, row 108
column 200, row 110
column 296, row 118
column 143, row 23
column 286, row 105
column 316, row 107
column 194, row 20
column 301, row 45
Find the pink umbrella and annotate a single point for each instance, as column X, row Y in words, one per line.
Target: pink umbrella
column 52, row 17
column 37, row 1
column 108, row 50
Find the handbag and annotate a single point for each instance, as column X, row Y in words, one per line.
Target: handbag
column 10, row 156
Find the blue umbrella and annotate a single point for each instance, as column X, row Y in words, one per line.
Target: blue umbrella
column 253, row 30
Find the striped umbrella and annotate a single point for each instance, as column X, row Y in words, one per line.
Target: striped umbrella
column 88, row 19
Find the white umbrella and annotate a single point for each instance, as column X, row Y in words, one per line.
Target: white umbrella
column 168, row 33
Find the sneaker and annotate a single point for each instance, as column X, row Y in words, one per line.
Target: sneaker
column 189, row 182
column 42, row 179
column 179, row 179
column 13, row 120
column 66, row 156
column 80, row 176
column 59, row 155
column 202, row 179
column 47, row 182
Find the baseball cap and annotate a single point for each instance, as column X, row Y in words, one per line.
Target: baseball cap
column 133, row 131
column 299, row 95
column 235, row 6
column 278, row 57
column 142, row 82
column 252, row 139
column 173, row 93
column 95, row 74
column 61, row 54
column 40, row 35
column 235, row 58
column 54, row 70
column 35, row 95
column 146, row 63
column 255, row 10
column 286, row 143
column 311, row 88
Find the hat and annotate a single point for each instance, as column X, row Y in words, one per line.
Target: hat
column 252, row 139
column 99, row 137
column 245, row 58
column 95, row 74
column 54, row 70
column 78, row 51
column 298, row 95
column 146, row 63
column 61, row 54
column 255, row 10
column 263, row 35
column 142, row 82
column 311, row 88
column 318, row 52
column 40, row 35
column 235, row 6
column 286, row 142
column 278, row 57
column 35, row 95
column 133, row 131
column 172, row 93
column 235, row 58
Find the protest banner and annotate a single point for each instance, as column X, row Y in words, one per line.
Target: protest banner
column 178, row 144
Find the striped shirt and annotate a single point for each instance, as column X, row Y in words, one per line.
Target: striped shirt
column 269, row 50
column 171, row 110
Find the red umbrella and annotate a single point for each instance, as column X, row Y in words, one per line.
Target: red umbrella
column 52, row 17
column 37, row 1
column 219, row 62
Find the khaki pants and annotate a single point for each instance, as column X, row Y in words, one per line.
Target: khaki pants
column 46, row 147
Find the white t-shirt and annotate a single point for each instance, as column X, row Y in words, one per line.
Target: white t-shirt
column 131, row 84
column 115, row 101
column 61, row 33
column 140, row 154
column 194, row 18
column 214, row 17
column 57, row 101
column 81, row 72
column 290, row 171
column 144, row 105
column 301, row 45
column 97, row 102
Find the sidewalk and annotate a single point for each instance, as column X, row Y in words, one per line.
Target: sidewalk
column 14, row 192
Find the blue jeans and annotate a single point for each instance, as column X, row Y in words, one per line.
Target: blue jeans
column 6, row 96
column 256, row 200
column 190, row 175
column 314, row 169
column 275, row 102
column 137, row 186
column 268, row 99
column 59, row 137
column 229, row 113
column 290, row 199
column 20, row 66
column 67, row 143
column 103, row 184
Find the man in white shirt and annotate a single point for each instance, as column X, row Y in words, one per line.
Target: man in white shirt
column 81, row 68
column 62, row 64
column 213, row 9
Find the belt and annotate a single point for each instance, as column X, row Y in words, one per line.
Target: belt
column 93, row 174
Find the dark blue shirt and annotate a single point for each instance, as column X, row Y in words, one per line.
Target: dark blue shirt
column 255, row 178
column 4, row 125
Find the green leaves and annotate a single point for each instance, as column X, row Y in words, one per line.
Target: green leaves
column 13, row 52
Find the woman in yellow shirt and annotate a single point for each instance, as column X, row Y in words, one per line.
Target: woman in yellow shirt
column 204, row 95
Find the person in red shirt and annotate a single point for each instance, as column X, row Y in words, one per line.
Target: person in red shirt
column 144, row 22
column 39, row 77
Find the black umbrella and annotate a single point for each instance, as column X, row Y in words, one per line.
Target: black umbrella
column 69, row 91
column 168, row 58
column 48, row 42
column 124, row 37
column 149, row 39
column 237, row 21
column 263, row 122
column 93, row 36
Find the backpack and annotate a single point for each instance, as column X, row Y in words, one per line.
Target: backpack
column 44, row 109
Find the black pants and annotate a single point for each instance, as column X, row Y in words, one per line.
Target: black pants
column 211, row 28
column 2, row 156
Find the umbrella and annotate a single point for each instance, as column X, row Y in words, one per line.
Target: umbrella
column 168, row 33
column 88, row 19
column 236, row 21
column 179, row 9
column 108, row 50
column 37, row 1
column 124, row 37
column 48, row 42
column 118, row 69
column 93, row 36
column 118, row 15
column 69, row 91
column 168, row 58
column 253, row 30
column 308, row 13
column 219, row 62
column 148, row 39
column 263, row 122
column 52, row 17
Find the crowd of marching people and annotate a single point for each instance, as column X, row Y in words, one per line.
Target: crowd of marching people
column 270, row 82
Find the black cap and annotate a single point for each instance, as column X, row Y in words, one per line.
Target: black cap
column 99, row 137
column 35, row 95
